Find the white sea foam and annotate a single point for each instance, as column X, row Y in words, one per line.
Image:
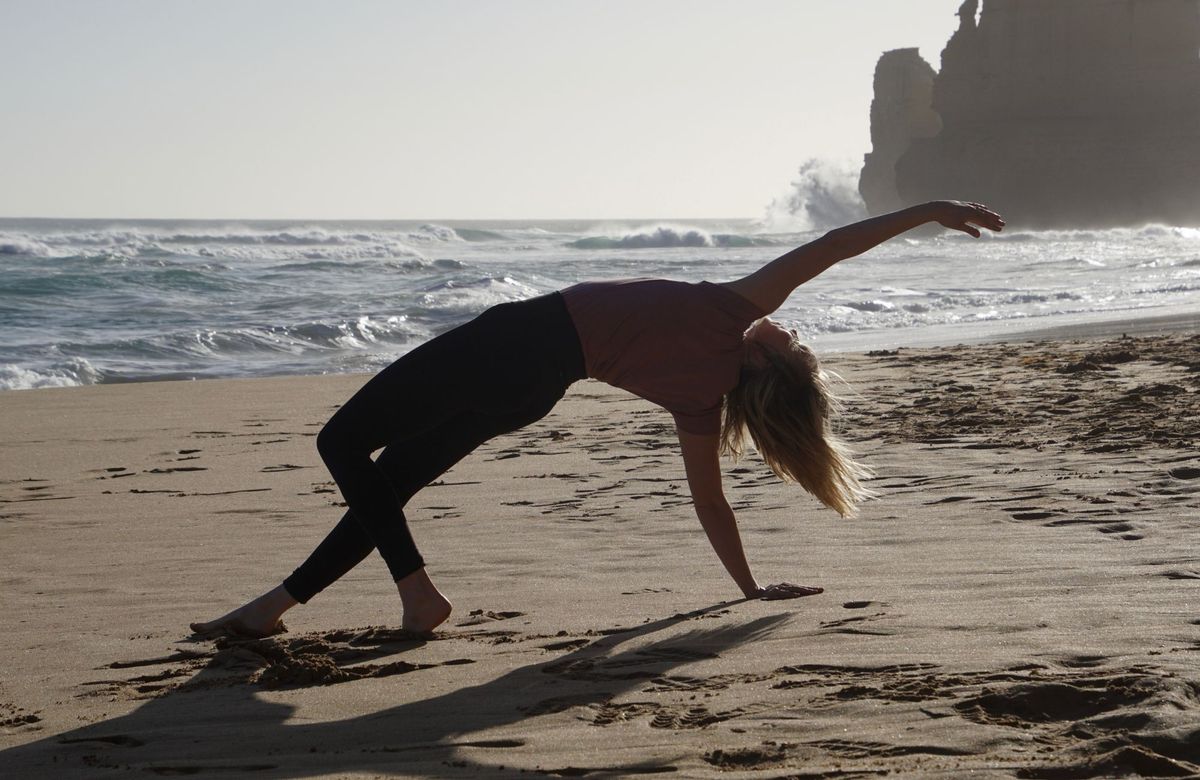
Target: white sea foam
column 70, row 373
column 669, row 237
column 15, row 244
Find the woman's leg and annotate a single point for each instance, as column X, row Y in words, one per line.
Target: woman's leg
column 505, row 371
column 396, row 389
column 498, row 373
column 407, row 466
column 410, row 466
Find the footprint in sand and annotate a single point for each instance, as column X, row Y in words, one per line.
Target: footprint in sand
column 567, row 644
column 696, row 717
column 479, row 617
column 1055, row 701
column 609, row 713
column 16, row 717
column 294, row 661
column 1017, row 515
column 856, row 625
column 771, row 755
column 1123, row 530
column 195, row 769
column 845, row 748
column 122, row 740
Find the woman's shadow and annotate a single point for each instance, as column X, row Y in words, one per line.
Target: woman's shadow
column 208, row 725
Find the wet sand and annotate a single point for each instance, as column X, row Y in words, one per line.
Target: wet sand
column 1023, row 600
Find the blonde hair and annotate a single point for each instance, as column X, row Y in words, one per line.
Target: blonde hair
column 784, row 401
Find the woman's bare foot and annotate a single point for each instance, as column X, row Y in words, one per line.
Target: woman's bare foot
column 257, row 618
column 425, row 608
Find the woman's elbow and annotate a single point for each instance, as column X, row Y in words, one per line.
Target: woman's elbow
column 837, row 244
column 715, row 502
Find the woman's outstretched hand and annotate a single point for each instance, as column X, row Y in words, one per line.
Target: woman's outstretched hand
column 957, row 215
column 786, row 590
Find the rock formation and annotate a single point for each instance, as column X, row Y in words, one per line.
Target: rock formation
column 1071, row 113
column 901, row 112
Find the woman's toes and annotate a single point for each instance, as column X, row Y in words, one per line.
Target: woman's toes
column 239, row 627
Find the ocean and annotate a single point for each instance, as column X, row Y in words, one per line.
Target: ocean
column 102, row 301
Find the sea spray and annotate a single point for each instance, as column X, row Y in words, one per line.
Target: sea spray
column 823, row 195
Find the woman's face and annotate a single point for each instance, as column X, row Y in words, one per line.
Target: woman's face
column 768, row 334
column 771, row 334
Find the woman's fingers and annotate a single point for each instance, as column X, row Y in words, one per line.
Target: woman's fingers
column 969, row 217
column 786, row 590
column 990, row 219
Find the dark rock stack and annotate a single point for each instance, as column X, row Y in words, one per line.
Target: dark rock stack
column 1072, row 113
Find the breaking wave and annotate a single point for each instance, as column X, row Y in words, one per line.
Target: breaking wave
column 668, row 237
column 68, row 373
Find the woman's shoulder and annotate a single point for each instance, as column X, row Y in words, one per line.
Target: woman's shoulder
column 740, row 294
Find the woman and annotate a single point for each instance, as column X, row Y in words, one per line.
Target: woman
column 705, row 352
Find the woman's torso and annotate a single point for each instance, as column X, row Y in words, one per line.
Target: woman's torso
column 676, row 344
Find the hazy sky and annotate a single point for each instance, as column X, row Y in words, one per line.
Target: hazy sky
column 435, row 109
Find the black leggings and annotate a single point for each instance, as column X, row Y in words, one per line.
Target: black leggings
column 502, row 371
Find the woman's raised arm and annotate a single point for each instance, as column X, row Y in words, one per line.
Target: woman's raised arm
column 769, row 286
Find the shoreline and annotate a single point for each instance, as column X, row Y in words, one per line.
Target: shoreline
column 1089, row 330
column 1109, row 328
column 1097, row 326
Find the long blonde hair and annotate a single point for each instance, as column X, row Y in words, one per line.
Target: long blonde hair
column 784, row 401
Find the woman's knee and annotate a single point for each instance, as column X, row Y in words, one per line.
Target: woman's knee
column 333, row 443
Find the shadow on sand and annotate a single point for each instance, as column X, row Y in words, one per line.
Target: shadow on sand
column 209, row 724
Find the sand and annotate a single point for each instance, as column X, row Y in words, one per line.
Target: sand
column 1023, row 600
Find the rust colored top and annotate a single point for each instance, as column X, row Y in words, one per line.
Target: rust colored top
column 676, row 344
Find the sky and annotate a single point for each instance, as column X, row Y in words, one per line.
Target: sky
column 450, row 109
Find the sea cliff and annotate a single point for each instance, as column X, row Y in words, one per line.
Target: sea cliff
column 1076, row 113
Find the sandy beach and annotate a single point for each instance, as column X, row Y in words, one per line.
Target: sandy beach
column 1022, row 600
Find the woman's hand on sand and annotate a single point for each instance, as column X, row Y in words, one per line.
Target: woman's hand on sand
column 786, row 590
column 957, row 215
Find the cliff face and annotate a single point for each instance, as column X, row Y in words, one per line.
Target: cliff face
column 901, row 112
column 1072, row 113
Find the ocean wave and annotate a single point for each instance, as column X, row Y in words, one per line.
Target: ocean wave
column 872, row 306
column 1043, row 297
column 667, row 237
column 451, row 300
column 476, row 235
column 1108, row 235
column 190, row 348
column 69, row 373
column 246, row 245
column 354, row 265
column 22, row 245
column 324, row 335
column 72, row 280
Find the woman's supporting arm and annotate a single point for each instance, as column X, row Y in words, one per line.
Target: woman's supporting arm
column 703, row 465
column 770, row 286
column 702, row 462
